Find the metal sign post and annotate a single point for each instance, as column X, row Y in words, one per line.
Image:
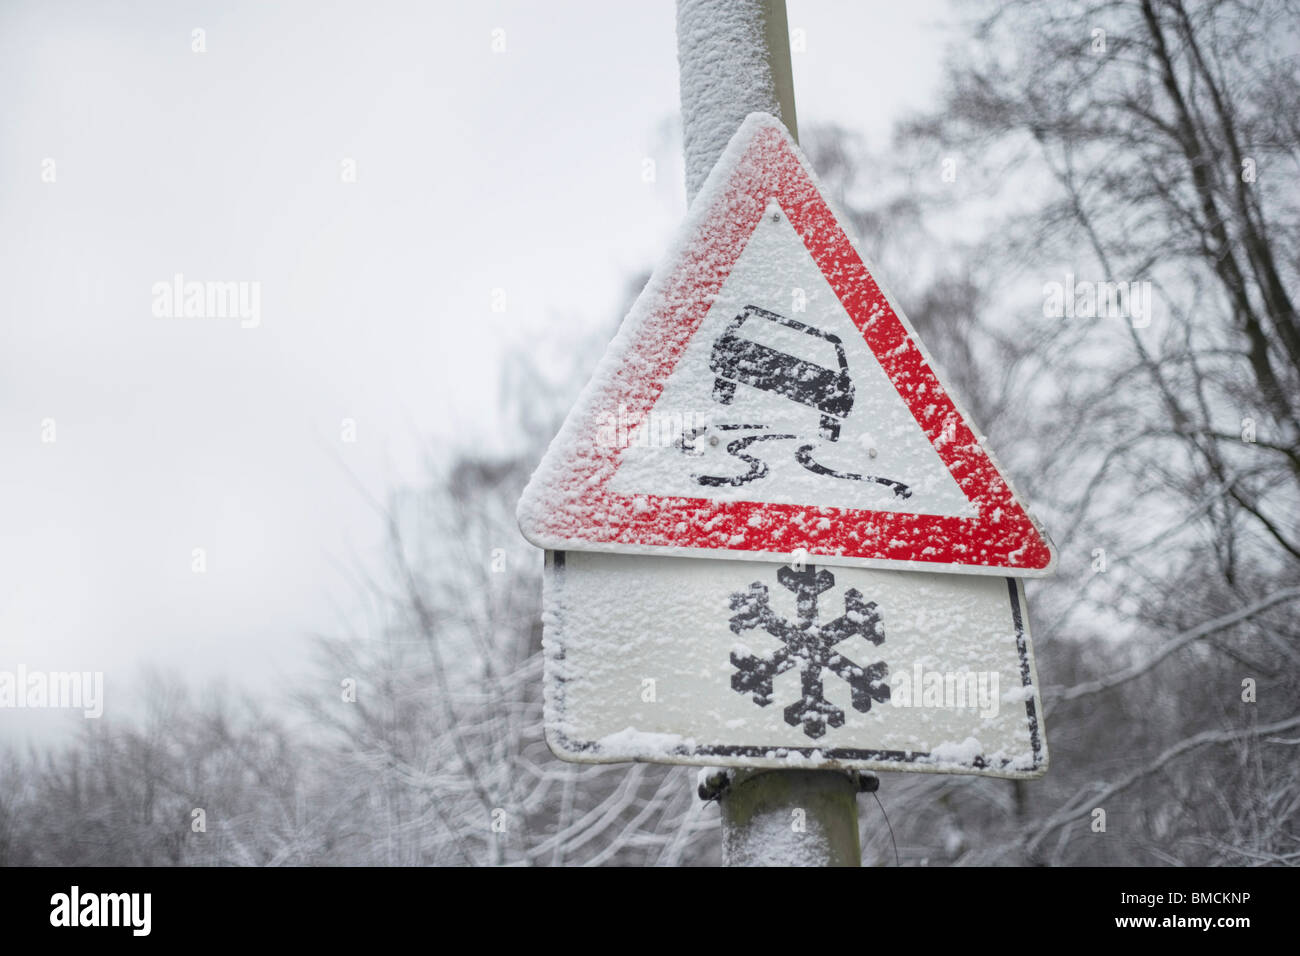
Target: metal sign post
column 756, row 805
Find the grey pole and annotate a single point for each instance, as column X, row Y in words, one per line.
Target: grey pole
column 734, row 59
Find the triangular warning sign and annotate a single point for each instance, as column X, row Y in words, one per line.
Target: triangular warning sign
column 765, row 398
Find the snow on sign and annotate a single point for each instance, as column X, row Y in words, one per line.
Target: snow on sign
column 764, row 396
column 739, row 663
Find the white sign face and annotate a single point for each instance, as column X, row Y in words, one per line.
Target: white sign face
column 749, row 664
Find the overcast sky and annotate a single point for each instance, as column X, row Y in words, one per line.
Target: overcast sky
column 476, row 170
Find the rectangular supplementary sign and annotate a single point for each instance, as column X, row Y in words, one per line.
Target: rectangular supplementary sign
column 739, row 663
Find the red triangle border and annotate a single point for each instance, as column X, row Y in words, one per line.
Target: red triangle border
column 1001, row 539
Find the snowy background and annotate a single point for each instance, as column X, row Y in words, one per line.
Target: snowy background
column 518, row 172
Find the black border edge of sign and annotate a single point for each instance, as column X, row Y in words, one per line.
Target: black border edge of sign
column 882, row 756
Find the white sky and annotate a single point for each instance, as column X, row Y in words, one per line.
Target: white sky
column 477, row 170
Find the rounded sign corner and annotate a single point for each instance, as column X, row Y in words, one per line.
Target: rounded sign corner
column 562, row 748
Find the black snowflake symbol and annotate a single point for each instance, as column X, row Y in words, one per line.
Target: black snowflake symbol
column 810, row 647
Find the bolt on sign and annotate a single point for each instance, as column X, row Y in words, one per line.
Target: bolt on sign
column 774, row 537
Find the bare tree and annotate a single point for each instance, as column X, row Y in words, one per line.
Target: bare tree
column 1131, row 142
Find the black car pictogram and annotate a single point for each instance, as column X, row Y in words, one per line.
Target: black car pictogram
column 739, row 360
